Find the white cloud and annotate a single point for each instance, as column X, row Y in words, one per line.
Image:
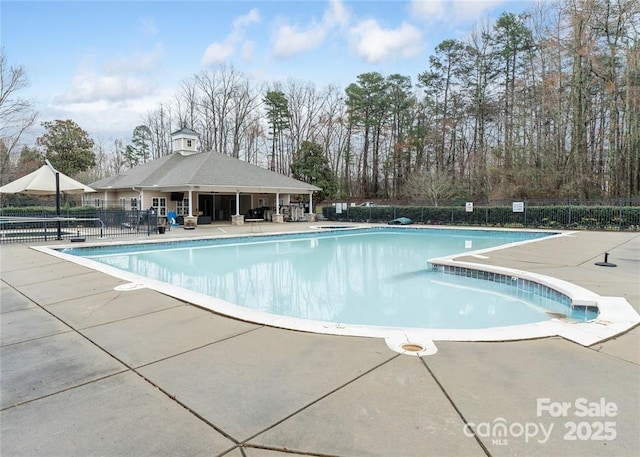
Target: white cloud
column 219, row 51
column 336, row 14
column 242, row 22
column 376, row 44
column 122, row 78
column 288, row 40
column 475, row 10
column 429, row 10
column 136, row 63
column 371, row 41
column 452, row 11
column 90, row 87
column 248, row 48
column 105, row 118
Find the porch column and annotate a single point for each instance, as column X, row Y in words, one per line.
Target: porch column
column 310, row 216
column 277, row 217
column 190, row 221
column 237, row 219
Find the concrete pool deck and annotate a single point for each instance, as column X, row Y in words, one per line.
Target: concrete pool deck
column 88, row 370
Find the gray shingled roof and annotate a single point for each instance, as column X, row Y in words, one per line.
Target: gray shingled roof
column 186, row 131
column 208, row 171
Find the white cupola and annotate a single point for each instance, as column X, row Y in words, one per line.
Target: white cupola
column 185, row 141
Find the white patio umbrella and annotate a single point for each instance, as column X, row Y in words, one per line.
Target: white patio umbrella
column 43, row 182
column 46, row 180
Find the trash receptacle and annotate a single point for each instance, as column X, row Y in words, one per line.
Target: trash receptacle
column 161, row 229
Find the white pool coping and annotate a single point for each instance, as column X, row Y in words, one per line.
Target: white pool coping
column 615, row 316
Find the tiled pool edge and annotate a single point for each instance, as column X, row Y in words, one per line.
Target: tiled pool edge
column 615, row 314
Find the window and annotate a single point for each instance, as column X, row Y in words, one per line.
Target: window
column 134, row 203
column 160, row 204
column 189, row 143
column 96, row 202
column 182, row 207
column 123, row 202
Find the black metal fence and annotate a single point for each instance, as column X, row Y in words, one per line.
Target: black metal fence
column 548, row 214
column 43, row 224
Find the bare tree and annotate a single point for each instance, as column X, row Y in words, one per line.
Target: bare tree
column 187, row 103
column 159, row 123
column 332, row 133
column 432, row 186
column 16, row 114
column 244, row 116
column 305, row 105
column 541, row 104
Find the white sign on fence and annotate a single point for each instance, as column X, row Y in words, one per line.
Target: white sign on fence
column 338, row 208
column 469, row 207
column 518, row 207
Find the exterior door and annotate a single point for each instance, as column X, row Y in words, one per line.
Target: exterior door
column 205, row 204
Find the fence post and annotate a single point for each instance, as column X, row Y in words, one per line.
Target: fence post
column 486, row 213
column 620, row 215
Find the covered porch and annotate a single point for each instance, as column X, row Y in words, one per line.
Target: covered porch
column 198, row 206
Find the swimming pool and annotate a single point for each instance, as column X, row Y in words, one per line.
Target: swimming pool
column 308, row 281
column 375, row 277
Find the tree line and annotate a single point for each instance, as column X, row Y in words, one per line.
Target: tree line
column 536, row 105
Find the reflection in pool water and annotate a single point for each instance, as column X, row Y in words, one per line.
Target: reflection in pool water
column 369, row 277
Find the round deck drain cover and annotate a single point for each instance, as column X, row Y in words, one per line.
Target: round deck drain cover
column 411, row 344
column 412, row 347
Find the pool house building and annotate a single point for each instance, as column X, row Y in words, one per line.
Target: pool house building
column 197, row 187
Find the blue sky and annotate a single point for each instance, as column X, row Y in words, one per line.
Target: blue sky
column 105, row 64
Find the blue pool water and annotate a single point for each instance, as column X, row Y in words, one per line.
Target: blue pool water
column 375, row 277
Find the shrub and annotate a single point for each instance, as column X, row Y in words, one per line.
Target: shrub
column 548, row 217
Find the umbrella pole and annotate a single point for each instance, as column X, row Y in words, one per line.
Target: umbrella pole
column 59, row 222
column 58, row 204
